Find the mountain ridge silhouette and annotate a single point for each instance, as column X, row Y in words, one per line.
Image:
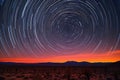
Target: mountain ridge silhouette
column 67, row 63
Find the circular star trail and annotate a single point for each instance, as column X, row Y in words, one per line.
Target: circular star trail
column 58, row 27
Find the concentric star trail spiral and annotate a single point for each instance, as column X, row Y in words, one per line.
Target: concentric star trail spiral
column 39, row 28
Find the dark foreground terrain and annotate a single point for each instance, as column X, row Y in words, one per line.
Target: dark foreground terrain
column 30, row 72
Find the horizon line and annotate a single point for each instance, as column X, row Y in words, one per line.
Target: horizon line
column 57, row 62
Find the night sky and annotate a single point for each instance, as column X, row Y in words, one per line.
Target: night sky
column 59, row 30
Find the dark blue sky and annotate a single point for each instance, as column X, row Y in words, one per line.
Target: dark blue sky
column 44, row 28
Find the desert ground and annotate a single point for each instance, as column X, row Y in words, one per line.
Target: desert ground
column 59, row 73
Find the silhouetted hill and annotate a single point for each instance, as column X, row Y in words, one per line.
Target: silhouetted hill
column 115, row 64
column 68, row 63
column 74, row 63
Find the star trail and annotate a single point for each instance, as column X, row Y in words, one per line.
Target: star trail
column 44, row 28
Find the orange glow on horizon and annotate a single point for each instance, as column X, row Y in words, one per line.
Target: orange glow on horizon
column 113, row 57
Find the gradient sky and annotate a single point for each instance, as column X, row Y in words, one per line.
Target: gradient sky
column 59, row 30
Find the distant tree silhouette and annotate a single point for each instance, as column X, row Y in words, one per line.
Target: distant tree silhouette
column 87, row 74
